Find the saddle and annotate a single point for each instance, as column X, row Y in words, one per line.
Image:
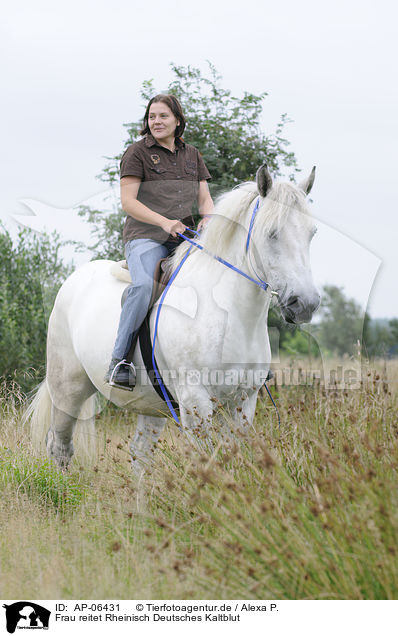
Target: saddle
column 161, row 277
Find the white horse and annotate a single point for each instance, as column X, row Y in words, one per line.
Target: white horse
column 212, row 344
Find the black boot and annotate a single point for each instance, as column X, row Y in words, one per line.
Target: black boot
column 121, row 374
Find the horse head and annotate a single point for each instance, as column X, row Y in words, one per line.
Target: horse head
column 283, row 231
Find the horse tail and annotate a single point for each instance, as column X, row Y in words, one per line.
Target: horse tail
column 38, row 414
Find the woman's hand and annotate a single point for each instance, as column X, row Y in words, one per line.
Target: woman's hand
column 172, row 226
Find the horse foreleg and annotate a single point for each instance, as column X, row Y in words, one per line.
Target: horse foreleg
column 244, row 411
column 142, row 447
column 196, row 412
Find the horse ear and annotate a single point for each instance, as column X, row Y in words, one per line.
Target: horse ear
column 264, row 180
column 307, row 184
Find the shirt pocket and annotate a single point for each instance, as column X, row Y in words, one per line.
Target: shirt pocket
column 191, row 168
column 157, row 170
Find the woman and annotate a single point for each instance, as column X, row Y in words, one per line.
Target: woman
column 160, row 178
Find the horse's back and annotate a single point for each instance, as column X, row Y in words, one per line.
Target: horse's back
column 85, row 281
column 86, row 312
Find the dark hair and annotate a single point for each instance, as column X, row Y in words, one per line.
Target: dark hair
column 172, row 102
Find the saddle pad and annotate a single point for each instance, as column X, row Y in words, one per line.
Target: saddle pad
column 120, row 271
column 160, row 279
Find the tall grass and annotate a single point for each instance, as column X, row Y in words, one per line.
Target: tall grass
column 305, row 511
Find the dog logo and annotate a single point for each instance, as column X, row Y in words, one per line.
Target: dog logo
column 26, row 615
column 155, row 158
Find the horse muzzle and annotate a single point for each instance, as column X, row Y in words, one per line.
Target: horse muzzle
column 297, row 310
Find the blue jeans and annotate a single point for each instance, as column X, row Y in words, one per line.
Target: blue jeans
column 142, row 256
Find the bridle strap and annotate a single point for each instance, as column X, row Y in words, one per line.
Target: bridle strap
column 249, row 234
column 252, row 223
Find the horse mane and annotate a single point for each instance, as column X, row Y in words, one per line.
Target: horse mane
column 231, row 211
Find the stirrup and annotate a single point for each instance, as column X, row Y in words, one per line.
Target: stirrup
column 111, row 381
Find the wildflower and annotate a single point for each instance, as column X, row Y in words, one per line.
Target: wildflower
column 116, row 546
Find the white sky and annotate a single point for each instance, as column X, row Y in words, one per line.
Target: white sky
column 71, row 74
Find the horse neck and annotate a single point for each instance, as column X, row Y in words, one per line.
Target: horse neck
column 242, row 296
column 249, row 302
column 245, row 303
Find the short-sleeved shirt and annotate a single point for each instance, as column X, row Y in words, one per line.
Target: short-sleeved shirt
column 169, row 183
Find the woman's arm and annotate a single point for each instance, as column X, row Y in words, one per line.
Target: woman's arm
column 129, row 187
column 205, row 203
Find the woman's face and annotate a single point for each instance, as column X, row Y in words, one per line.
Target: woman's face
column 161, row 121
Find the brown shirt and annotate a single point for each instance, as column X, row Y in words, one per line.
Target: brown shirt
column 169, row 183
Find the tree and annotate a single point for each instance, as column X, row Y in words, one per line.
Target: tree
column 290, row 339
column 382, row 337
column 296, row 342
column 393, row 324
column 225, row 129
column 342, row 321
column 31, row 273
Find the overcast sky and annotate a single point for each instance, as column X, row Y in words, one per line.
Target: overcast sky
column 71, row 74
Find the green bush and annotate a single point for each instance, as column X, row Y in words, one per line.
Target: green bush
column 31, row 272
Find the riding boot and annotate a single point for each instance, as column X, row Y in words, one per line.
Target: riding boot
column 130, row 353
column 121, row 372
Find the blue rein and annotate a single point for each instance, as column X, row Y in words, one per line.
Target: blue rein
column 158, row 376
column 193, row 243
column 260, row 283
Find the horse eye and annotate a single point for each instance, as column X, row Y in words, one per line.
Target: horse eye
column 273, row 235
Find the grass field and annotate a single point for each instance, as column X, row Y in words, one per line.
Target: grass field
column 307, row 511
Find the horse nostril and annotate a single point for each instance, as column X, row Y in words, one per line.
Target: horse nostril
column 315, row 303
column 292, row 301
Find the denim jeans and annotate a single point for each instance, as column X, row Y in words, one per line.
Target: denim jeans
column 142, row 256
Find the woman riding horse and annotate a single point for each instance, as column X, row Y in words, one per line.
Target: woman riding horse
column 160, row 178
